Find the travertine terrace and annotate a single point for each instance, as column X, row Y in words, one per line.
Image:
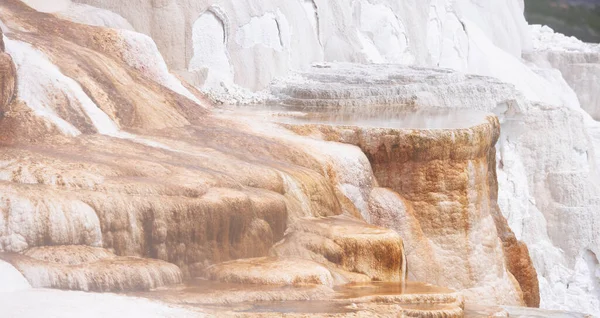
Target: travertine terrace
column 367, row 169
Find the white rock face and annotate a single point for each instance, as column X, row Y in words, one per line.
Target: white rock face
column 38, row 75
column 549, row 151
column 578, row 62
column 265, row 39
column 210, row 52
column 140, row 52
column 384, row 40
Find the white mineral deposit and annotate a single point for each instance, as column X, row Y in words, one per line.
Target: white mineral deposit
column 298, row 158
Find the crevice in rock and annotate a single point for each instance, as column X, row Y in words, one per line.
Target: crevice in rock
column 317, row 24
column 279, row 33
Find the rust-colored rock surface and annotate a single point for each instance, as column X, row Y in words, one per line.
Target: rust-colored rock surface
column 518, row 260
column 104, row 148
column 352, row 249
column 446, row 188
column 8, row 79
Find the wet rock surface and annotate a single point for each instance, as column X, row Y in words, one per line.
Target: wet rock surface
column 352, row 249
column 446, row 189
column 361, row 299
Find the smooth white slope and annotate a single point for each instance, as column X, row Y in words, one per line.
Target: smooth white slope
column 82, row 13
column 48, row 5
column 11, row 280
column 141, row 53
column 66, row 304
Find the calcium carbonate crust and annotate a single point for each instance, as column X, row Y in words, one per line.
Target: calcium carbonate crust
column 547, row 153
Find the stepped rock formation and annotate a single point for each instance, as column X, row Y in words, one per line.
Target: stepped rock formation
column 325, row 251
column 445, row 183
column 443, row 177
column 91, row 269
column 351, row 249
column 578, row 62
column 117, row 172
column 251, row 42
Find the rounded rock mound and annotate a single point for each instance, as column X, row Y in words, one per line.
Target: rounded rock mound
column 91, row 269
column 271, row 271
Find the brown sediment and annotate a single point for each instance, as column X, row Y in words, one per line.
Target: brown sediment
column 68, row 255
column 366, row 299
column 93, row 57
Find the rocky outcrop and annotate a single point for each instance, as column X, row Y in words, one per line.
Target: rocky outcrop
column 578, row 62
column 534, row 169
column 140, row 178
column 444, row 174
column 485, row 39
column 440, row 165
column 50, row 59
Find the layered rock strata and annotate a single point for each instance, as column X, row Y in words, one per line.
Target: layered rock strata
column 253, row 42
column 105, row 148
column 112, row 189
column 353, row 250
column 440, row 163
column 445, row 178
column 578, row 63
